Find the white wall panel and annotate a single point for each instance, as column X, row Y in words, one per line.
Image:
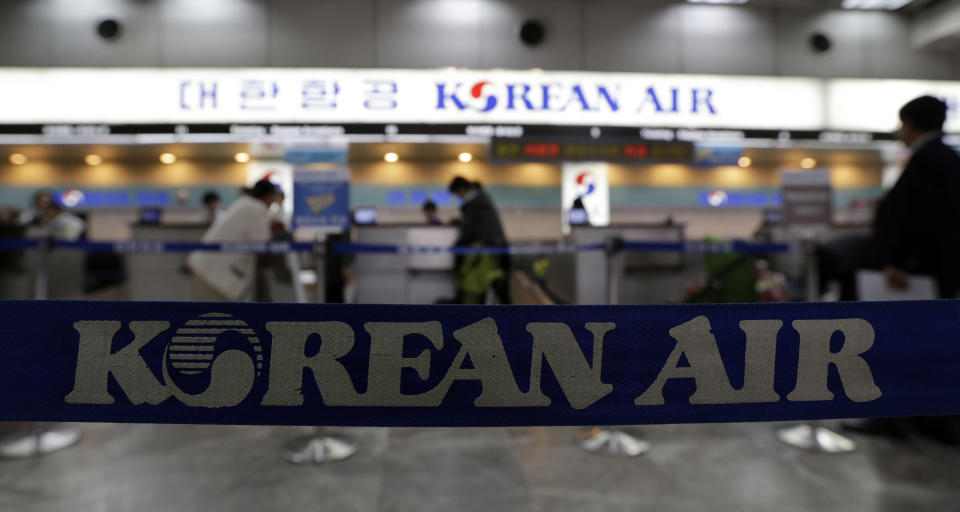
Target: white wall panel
column 214, row 32
column 888, row 51
column 662, row 36
column 845, row 29
column 727, row 39
column 76, row 42
column 429, row 33
column 321, row 33
column 26, row 33
column 500, row 43
column 632, row 36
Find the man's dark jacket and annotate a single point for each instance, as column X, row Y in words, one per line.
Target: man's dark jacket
column 917, row 225
column 479, row 222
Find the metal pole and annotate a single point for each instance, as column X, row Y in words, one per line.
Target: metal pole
column 614, row 263
column 813, row 435
column 41, row 439
column 812, row 272
column 40, row 281
column 318, row 265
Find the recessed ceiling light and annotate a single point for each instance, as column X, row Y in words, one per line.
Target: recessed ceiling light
column 465, row 157
column 168, row 158
column 391, row 157
column 93, row 159
column 241, row 158
column 745, row 161
column 808, row 163
column 18, row 159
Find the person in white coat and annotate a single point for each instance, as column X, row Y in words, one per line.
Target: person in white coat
column 219, row 276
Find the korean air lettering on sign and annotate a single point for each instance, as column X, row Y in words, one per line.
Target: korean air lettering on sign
column 340, row 96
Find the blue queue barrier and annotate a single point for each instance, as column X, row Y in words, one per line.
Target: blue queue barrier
column 383, row 365
column 149, row 246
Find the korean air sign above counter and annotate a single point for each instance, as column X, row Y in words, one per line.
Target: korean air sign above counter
column 451, row 96
column 337, row 96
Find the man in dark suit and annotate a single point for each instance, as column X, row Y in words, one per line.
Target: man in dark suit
column 916, row 230
column 480, row 225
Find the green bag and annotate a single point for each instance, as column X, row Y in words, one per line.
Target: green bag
column 477, row 273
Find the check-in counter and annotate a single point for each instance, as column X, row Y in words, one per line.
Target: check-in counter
column 161, row 276
column 640, row 277
column 404, row 278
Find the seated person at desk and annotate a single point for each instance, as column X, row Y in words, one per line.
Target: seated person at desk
column 232, row 276
column 430, row 213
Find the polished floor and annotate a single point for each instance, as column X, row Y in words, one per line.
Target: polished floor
column 737, row 467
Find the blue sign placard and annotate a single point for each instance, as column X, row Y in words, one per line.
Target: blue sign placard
column 321, row 199
column 383, row 365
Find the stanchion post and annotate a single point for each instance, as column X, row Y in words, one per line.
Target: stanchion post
column 319, row 252
column 812, row 272
column 41, row 439
column 40, row 280
column 813, row 435
column 614, row 253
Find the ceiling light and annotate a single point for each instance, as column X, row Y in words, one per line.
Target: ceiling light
column 808, row 163
column 465, row 157
column 744, row 161
column 168, row 158
column 93, row 159
column 875, row 5
column 241, row 158
column 391, row 157
column 18, row 159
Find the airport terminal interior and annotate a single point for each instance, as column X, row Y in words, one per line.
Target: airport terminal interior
column 572, row 157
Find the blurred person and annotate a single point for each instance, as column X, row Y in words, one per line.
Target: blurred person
column 578, row 212
column 914, row 232
column 211, row 203
column 60, row 224
column 908, row 235
column 232, row 276
column 34, row 214
column 429, row 209
column 480, row 226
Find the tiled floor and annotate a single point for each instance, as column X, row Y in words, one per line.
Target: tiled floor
column 738, row 467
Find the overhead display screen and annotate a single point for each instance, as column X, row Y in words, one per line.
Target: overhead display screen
column 511, row 150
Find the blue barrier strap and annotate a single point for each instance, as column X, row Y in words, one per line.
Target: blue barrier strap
column 381, row 365
column 735, row 246
column 150, row 246
column 17, row 244
column 350, row 248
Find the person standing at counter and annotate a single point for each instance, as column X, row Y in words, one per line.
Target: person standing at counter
column 430, row 216
column 915, row 233
column 211, row 205
column 480, row 226
column 915, row 228
column 232, row 276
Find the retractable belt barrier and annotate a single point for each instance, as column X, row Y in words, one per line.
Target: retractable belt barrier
column 383, row 365
column 738, row 246
column 149, row 246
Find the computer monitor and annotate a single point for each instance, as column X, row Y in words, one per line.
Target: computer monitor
column 578, row 217
column 150, row 215
column 365, row 215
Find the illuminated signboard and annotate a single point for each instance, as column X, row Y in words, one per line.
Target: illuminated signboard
column 591, row 150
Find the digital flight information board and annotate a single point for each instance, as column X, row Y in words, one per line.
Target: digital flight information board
column 626, row 151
